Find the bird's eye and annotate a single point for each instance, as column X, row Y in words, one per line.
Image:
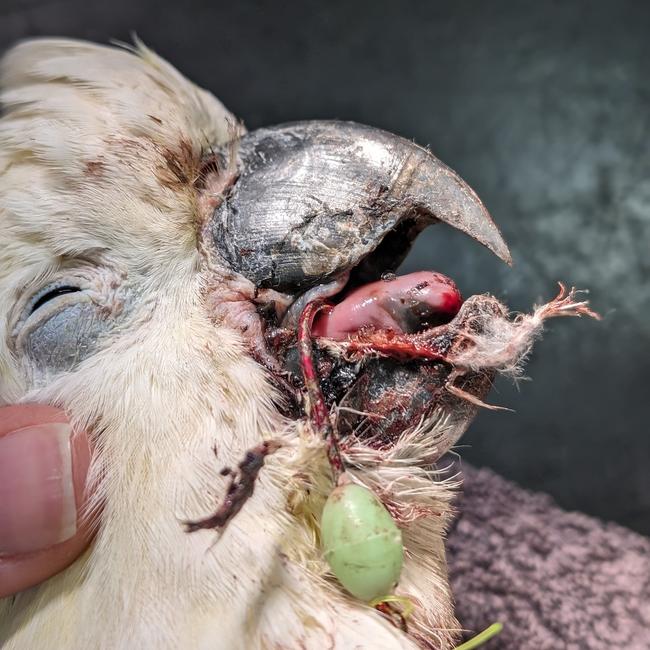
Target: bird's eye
column 61, row 323
column 50, row 294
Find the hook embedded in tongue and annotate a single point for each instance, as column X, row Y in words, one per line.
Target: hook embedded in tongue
column 320, row 292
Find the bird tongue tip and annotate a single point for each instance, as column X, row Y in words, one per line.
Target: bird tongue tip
column 406, row 304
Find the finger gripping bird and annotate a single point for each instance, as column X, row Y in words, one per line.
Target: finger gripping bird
column 185, row 290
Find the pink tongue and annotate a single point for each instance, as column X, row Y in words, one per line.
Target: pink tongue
column 404, row 304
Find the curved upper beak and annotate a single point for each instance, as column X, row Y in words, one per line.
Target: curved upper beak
column 314, row 199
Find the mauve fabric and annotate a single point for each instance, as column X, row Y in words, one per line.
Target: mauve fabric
column 555, row 579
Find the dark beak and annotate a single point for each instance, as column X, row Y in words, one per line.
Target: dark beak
column 315, row 199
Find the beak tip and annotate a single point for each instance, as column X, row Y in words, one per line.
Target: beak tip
column 498, row 244
column 485, row 231
column 502, row 251
column 490, row 235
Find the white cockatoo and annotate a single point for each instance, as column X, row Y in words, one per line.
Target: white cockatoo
column 154, row 264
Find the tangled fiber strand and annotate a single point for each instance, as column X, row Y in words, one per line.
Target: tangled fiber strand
column 504, row 345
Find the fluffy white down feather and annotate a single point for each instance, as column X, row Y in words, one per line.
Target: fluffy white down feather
column 84, row 144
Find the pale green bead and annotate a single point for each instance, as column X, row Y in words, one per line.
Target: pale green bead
column 361, row 542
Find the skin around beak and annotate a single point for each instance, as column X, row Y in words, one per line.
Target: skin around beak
column 313, row 199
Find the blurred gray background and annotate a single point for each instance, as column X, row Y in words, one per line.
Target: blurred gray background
column 543, row 107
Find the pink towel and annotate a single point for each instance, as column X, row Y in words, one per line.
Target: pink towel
column 555, row 579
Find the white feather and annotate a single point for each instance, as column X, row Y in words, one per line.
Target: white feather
column 84, row 148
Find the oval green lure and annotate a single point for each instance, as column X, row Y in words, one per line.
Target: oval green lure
column 361, row 542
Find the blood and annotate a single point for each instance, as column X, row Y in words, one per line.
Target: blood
column 240, row 488
column 315, row 400
column 315, row 405
column 397, row 345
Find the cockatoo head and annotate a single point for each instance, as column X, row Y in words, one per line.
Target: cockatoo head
column 155, row 261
